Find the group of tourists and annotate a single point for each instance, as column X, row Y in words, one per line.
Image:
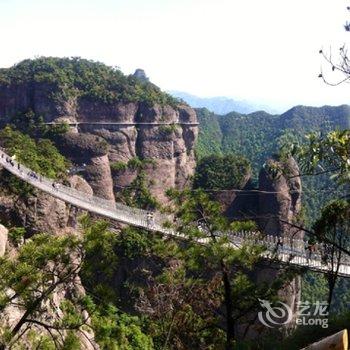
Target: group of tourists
column 8, row 160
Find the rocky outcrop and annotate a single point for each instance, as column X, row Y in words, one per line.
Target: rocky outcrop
column 240, row 202
column 141, row 75
column 81, row 185
column 276, row 202
column 279, row 203
column 40, row 212
column 279, row 197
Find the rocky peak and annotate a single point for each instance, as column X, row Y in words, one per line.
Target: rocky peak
column 141, row 75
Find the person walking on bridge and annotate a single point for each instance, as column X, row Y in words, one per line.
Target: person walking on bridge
column 279, row 244
column 150, row 219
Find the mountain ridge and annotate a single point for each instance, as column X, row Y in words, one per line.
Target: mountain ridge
column 220, row 104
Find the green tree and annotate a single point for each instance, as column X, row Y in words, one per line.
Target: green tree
column 47, row 266
column 334, row 226
column 329, row 155
column 326, row 153
column 42, row 267
column 200, row 220
column 41, row 156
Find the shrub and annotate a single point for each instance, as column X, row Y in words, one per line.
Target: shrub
column 119, row 166
column 168, row 129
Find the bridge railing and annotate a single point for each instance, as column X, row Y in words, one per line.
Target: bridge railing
column 284, row 245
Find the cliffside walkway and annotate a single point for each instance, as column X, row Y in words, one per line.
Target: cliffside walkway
column 291, row 251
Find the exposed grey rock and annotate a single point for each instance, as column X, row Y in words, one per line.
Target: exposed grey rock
column 41, row 212
column 141, row 75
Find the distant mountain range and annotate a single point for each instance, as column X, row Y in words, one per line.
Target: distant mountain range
column 222, row 105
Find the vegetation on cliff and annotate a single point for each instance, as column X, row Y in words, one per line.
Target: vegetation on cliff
column 221, row 172
column 137, row 193
column 39, row 155
column 34, row 126
column 77, row 77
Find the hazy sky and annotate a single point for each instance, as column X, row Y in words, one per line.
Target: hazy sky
column 263, row 50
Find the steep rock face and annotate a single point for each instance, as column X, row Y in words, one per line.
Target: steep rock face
column 276, row 201
column 35, row 96
column 41, row 212
column 92, row 152
column 279, row 204
column 236, row 204
column 163, row 133
column 279, row 198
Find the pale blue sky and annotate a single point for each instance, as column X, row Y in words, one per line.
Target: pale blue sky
column 248, row 49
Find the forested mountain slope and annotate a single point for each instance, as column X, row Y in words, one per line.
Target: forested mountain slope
column 258, row 135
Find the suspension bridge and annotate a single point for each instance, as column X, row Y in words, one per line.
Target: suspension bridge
column 286, row 251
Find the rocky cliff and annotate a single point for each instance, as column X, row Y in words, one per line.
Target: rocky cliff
column 109, row 124
column 273, row 203
column 280, row 198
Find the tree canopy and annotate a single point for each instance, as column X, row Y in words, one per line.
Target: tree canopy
column 77, row 77
column 221, row 172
